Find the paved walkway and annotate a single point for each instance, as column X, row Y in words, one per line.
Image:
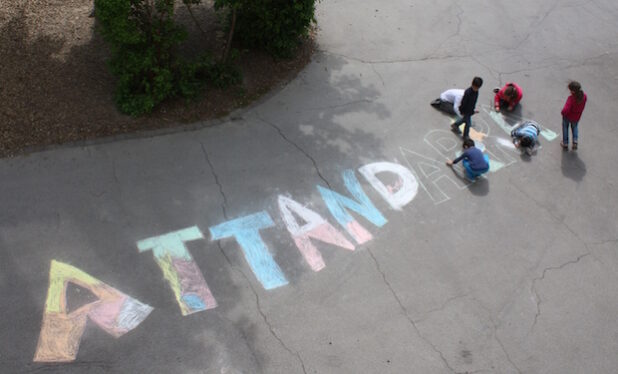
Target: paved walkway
column 319, row 231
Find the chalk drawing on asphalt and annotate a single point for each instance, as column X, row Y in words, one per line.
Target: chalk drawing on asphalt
column 315, row 227
column 116, row 313
column 246, row 231
column 494, row 146
column 500, row 120
column 338, row 206
column 180, row 270
column 61, row 331
column 431, row 176
column 401, row 192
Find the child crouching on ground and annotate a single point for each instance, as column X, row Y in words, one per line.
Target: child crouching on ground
column 526, row 136
column 474, row 161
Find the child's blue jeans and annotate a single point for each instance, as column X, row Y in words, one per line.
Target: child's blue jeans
column 473, row 173
column 565, row 130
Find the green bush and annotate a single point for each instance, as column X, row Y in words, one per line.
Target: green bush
column 276, row 26
column 143, row 38
column 194, row 75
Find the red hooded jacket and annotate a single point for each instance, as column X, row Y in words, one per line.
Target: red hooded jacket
column 573, row 109
column 500, row 95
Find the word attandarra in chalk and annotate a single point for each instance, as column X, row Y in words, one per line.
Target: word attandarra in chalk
column 117, row 313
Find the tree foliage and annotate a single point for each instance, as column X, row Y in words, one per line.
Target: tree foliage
column 144, row 39
column 276, row 26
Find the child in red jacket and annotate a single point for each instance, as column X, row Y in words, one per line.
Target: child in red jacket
column 571, row 113
column 508, row 96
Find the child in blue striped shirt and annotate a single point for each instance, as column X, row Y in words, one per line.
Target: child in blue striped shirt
column 526, row 136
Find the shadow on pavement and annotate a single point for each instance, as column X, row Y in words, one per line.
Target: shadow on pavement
column 572, row 166
column 480, row 187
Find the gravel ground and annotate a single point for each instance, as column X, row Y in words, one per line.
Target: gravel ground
column 55, row 86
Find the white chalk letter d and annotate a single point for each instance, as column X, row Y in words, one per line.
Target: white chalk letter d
column 397, row 195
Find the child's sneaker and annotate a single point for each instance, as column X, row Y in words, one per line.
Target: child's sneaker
column 574, row 146
column 564, row 146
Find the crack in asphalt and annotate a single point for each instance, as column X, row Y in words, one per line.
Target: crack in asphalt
column 562, row 64
column 96, row 195
column 608, row 241
column 533, row 291
column 116, row 179
column 506, row 353
column 58, row 220
column 555, row 64
column 394, row 61
column 378, row 74
column 568, row 64
column 227, row 259
column 119, row 197
column 350, row 103
column 433, row 57
column 214, row 174
column 539, row 204
column 458, row 16
column 542, row 277
column 459, row 20
column 270, row 326
column 261, row 312
column 532, row 28
column 441, row 307
column 405, row 312
column 456, row 33
column 315, row 164
column 495, row 327
column 490, row 69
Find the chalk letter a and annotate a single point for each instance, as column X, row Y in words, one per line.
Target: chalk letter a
column 316, row 227
column 114, row 312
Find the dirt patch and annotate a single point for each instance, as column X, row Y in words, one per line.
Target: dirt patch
column 55, row 86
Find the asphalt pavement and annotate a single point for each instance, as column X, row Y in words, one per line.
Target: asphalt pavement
column 320, row 231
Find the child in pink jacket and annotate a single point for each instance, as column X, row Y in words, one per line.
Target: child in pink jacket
column 571, row 113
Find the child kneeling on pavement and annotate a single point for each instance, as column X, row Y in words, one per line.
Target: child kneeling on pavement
column 526, row 136
column 474, row 161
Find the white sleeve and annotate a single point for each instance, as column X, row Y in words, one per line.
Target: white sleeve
column 457, row 103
